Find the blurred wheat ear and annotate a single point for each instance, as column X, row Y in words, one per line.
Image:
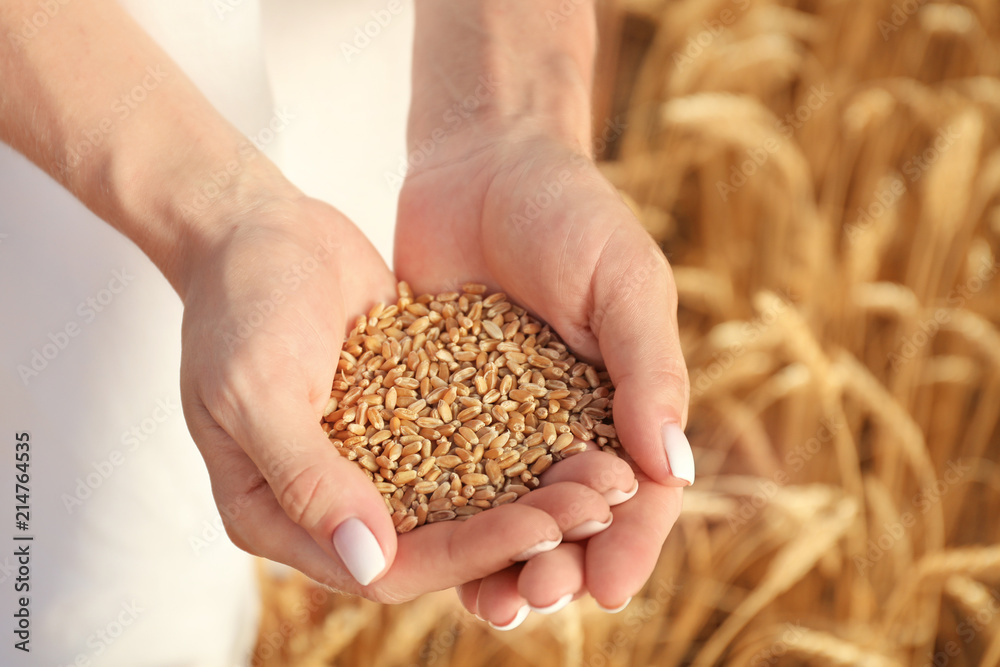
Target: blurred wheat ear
column 825, row 179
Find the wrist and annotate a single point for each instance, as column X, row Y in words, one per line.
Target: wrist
column 490, row 69
column 207, row 178
column 104, row 111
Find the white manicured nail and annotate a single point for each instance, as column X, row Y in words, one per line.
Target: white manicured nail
column 616, row 609
column 617, row 496
column 540, row 548
column 519, row 617
column 555, row 606
column 586, row 529
column 679, row 454
column 360, row 551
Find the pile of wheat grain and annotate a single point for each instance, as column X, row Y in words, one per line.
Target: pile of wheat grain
column 454, row 403
column 825, row 178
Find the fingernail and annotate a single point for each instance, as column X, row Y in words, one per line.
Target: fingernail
column 360, row 551
column 586, row 529
column 540, row 548
column 555, row 606
column 679, row 454
column 617, row 496
column 616, row 609
column 519, row 617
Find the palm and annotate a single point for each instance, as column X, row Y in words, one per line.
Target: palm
column 501, row 217
column 263, row 324
column 537, row 221
column 264, row 321
column 274, row 301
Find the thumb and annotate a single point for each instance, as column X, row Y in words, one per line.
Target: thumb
column 634, row 318
column 318, row 489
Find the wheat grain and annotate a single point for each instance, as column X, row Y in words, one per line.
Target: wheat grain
column 454, row 403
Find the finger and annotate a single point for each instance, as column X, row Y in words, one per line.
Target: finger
column 605, row 473
column 579, row 511
column 499, row 602
column 613, row 297
column 551, row 580
column 621, row 559
column 318, row 489
column 447, row 554
column 256, row 523
column 450, row 553
column 634, row 318
column 433, row 557
column 467, row 594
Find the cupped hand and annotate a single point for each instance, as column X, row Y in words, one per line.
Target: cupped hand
column 267, row 303
column 533, row 217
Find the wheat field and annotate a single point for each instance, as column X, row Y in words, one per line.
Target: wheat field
column 824, row 177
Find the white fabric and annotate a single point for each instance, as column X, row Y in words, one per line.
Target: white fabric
column 129, row 566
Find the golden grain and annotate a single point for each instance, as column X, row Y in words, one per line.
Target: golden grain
column 436, row 400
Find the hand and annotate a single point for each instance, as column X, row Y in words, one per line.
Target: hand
column 532, row 216
column 266, row 307
column 269, row 280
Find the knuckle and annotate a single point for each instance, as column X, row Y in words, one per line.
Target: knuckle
column 673, row 381
column 298, row 493
column 625, row 288
column 388, row 596
column 666, row 377
column 670, row 375
column 233, row 511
